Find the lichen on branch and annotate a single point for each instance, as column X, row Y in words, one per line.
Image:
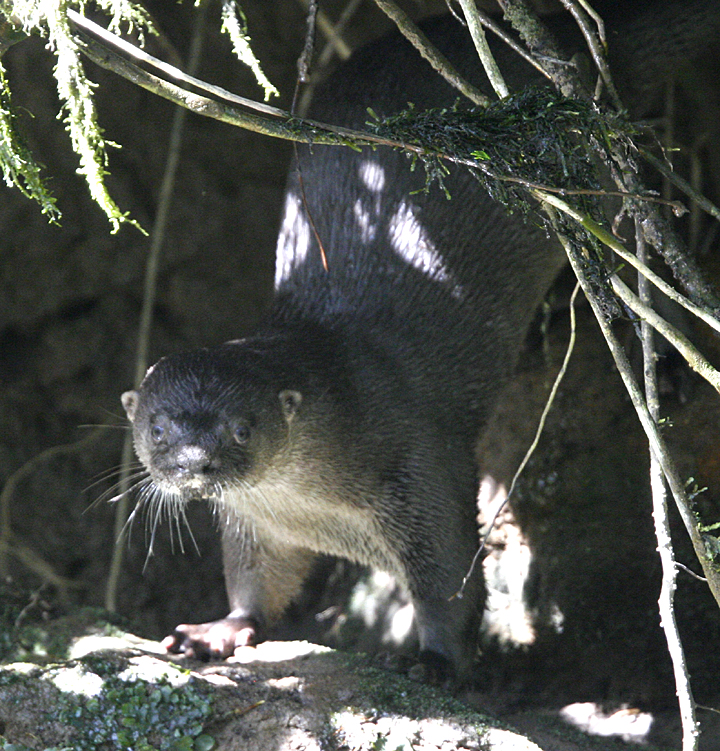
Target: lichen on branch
column 18, row 165
column 49, row 19
column 234, row 24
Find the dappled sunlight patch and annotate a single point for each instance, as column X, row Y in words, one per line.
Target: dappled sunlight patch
column 507, row 567
column 410, row 240
column 372, row 176
column 294, row 238
column 372, row 730
column 627, row 723
column 377, row 602
column 276, row 651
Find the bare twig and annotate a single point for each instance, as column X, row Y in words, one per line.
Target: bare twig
column 689, row 571
column 678, row 208
column 538, row 432
column 150, row 287
column 678, row 340
column 334, row 32
column 656, row 442
column 500, row 32
column 481, row 46
column 306, row 56
column 336, row 43
column 708, row 709
column 598, row 21
column 663, row 238
column 673, row 177
column 662, row 526
column 595, row 45
column 607, row 239
column 438, row 61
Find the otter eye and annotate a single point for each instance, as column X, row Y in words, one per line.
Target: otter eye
column 157, row 432
column 242, row 434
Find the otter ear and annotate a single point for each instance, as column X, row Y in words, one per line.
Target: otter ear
column 290, row 402
column 129, row 400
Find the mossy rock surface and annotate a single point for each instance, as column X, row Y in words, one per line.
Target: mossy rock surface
column 113, row 690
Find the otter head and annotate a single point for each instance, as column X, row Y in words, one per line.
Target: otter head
column 210, row 420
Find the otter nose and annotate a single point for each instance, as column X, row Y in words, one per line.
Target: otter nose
column 194, row 460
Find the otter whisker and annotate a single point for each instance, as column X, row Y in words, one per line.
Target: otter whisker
column 117, row 470
column 110, row 495
column 144, row 491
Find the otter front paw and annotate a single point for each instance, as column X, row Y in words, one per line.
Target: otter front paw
column 214, row 640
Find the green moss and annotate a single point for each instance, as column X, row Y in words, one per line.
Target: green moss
column 49, row 19
column 32, row 638
column 137, row 714
column 534, row 139
column 536, row 136
column 6, row 746
column 234, row 24
column 16, row 161
column 399, row 695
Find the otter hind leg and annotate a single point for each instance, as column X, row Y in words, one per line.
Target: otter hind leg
column 440, row 546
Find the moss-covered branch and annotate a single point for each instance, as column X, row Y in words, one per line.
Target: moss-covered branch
column 234, row 25
column 49, row 19
column 18, row 165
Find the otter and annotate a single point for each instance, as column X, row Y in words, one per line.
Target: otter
column 347, row 424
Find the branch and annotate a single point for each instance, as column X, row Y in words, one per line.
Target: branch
column 607, row 239
column 81, row 22
column 498, row 30
column 595, row 45
column 657, row 232
column 17, row 163
column 683, row 185
column 478, row 36
column 651, row 431
column 662, row 237
column 681, row 343
column 662, row 526
column 277, row 124
column 335, row 43
column 423, row 45
column 523, row 18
